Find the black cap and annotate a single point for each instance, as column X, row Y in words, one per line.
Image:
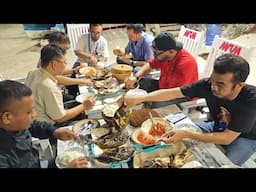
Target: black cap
column 165, row 41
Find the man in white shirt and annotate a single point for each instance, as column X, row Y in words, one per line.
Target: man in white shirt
column 92, row 47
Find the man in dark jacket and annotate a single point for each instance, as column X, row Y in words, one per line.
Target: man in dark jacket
column 17, row 126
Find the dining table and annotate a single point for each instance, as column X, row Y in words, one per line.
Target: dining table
column 208, row 155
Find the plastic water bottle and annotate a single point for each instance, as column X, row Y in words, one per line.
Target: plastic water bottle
column 60, row 27
column 211, row 31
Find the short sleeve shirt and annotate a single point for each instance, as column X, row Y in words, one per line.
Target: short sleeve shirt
column 47, row 95
column 238, row 115
column 142, row 49
column 98, row 48
column 181, row 70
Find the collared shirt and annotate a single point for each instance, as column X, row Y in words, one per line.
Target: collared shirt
column 181, row 70
column 48, row 97
column 142, row 49
column 98, row 48
column 16, row 150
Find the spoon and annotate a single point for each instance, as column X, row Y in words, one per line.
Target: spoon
column 151, row 118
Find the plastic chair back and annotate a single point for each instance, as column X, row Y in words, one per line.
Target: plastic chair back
column 191, row 40
column 221, row 46
column 74, row 32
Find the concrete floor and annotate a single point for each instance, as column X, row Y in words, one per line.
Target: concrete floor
column 20, row 54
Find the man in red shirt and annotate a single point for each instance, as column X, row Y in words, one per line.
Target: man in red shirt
column 177, row 67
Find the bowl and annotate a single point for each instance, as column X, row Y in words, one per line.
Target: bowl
column 146, row 125
column 121, row 72
column 121, row 69
column 121, row 77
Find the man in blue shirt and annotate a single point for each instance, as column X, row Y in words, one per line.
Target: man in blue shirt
column 139, row 48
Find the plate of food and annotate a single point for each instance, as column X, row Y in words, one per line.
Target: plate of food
column 82, row 97
column 85, row 125
column 157, row 128
column 65, row 158
column 140, row 137
column 88, row 71
column 149, row 133
column 107, row 86
column 168, row 156
column 114, row 157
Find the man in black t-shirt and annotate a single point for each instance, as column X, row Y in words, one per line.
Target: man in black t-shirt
column 232, row 105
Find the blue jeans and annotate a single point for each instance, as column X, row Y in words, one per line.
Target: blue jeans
column 239, row 151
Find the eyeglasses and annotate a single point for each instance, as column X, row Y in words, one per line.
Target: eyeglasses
column 65, row 62
column 157, row 52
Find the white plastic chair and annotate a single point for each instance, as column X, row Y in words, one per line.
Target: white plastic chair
column 221, row 46
column 191, row 39
column 74, row 32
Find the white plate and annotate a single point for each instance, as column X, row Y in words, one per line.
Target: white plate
column 135, row 92
column 81, row 123
column 187, row 126
column 146, row 125
column 144, row 130
column 82, row 97
column 88, row 71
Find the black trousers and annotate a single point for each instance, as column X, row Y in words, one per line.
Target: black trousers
column 73, row 90
column 151, row 85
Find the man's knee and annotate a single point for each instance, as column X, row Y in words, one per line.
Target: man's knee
column 240, row 150
column 148, row 85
